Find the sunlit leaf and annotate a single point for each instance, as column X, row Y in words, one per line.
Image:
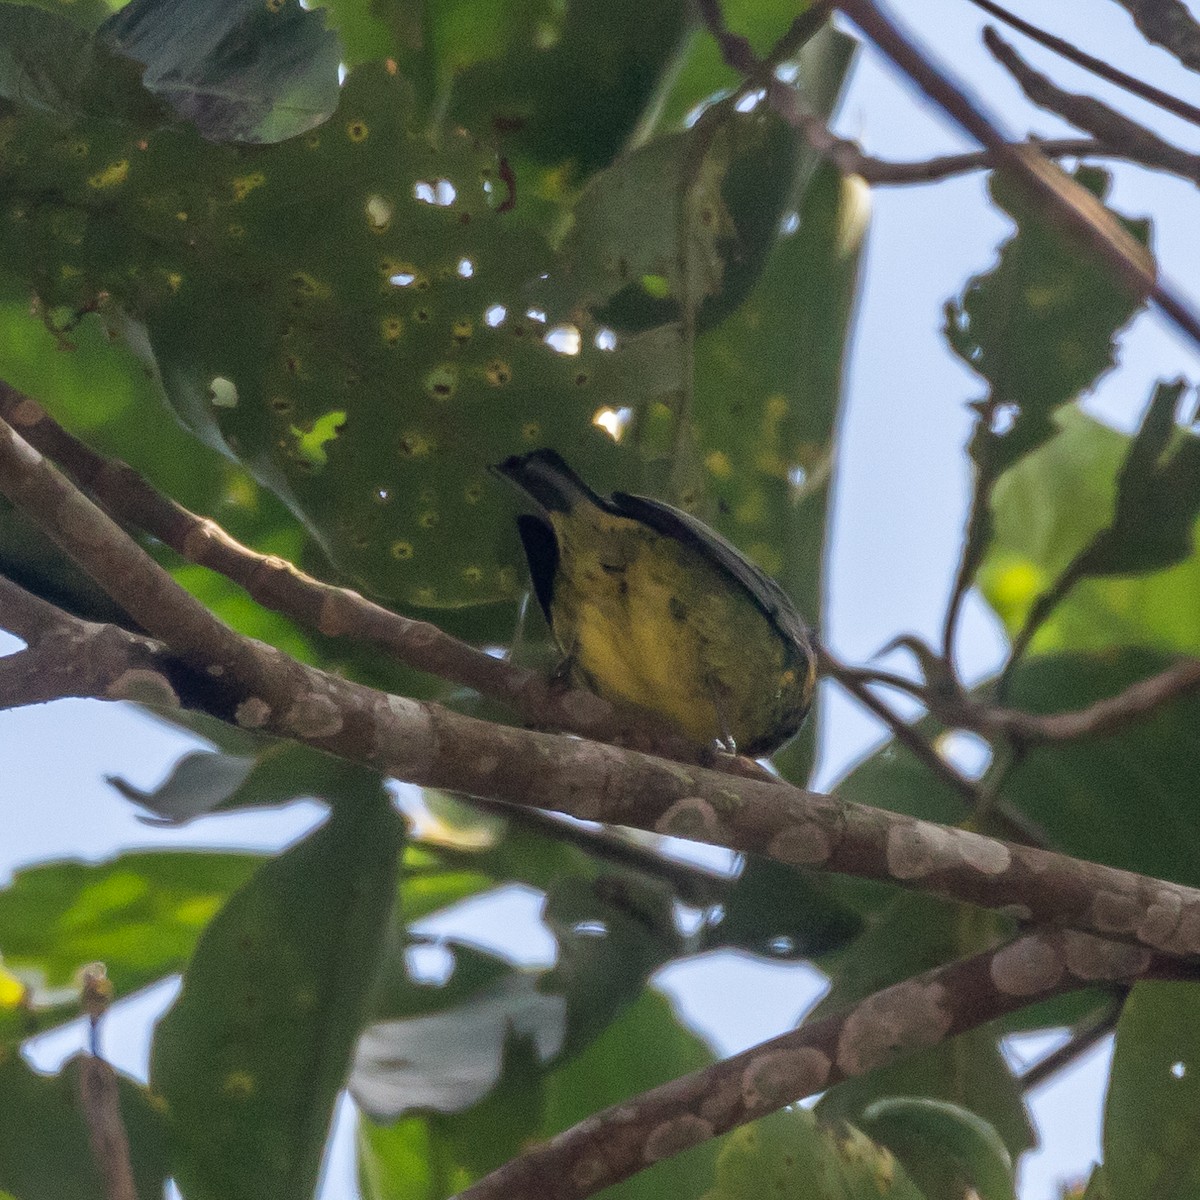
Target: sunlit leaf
column 1124, row 512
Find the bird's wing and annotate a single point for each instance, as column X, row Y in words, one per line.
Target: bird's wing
column 759, row 586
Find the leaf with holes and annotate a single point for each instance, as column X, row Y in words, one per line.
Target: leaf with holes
column 345, row 312
column 1040, row 328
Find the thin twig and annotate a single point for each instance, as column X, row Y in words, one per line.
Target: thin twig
column 1097, row 66
column 100, row 1103
column 1010, row 822
column 1094, row 116
column 901, row 730
column 1083, row 1037
column 908, row 1017
column 1136, row 702
column 1070, row 204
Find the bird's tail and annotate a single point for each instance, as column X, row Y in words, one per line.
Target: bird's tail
column 545, row 478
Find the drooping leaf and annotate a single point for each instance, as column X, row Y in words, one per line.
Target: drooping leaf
column 251, row 1057
column 1152, row 1113
column 206, row 781
column 1158, row 497
column 239, row 71
column 448, row 1060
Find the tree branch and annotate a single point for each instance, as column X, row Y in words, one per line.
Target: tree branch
column 333, row 611
column 916, row 1014
column 1097, row 66
column 66, row 656
column 258, row 686
column 1094, row 116
column 1074, row 208
column 1083, row 1037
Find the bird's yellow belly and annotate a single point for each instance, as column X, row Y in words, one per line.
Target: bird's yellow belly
column 646, row 629
column 647, row 664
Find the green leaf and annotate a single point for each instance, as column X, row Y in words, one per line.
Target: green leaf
column 1039, row 327
column 784, row 912
column 612, row 932
column 914, row 934
column 48, row 63
column 1126, row 799
column 1048, row 510
column 1152, row 1113
column 430, row 1158
column 139, row 913
column 566, row 85
column 44, row 1148
column 768, row 394
column 1097, row 1186
column 703, row 74
column 792, row 1156
column 241, row 71
column 947, row 1150
column 1158, row 497
column 252, row 1055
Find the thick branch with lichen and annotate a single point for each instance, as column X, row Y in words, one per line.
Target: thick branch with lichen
column 910, row 1016
column 258, row 686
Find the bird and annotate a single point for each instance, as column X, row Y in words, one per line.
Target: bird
column 653, row 609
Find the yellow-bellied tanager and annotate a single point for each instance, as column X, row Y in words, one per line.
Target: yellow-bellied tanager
column 653, row 608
